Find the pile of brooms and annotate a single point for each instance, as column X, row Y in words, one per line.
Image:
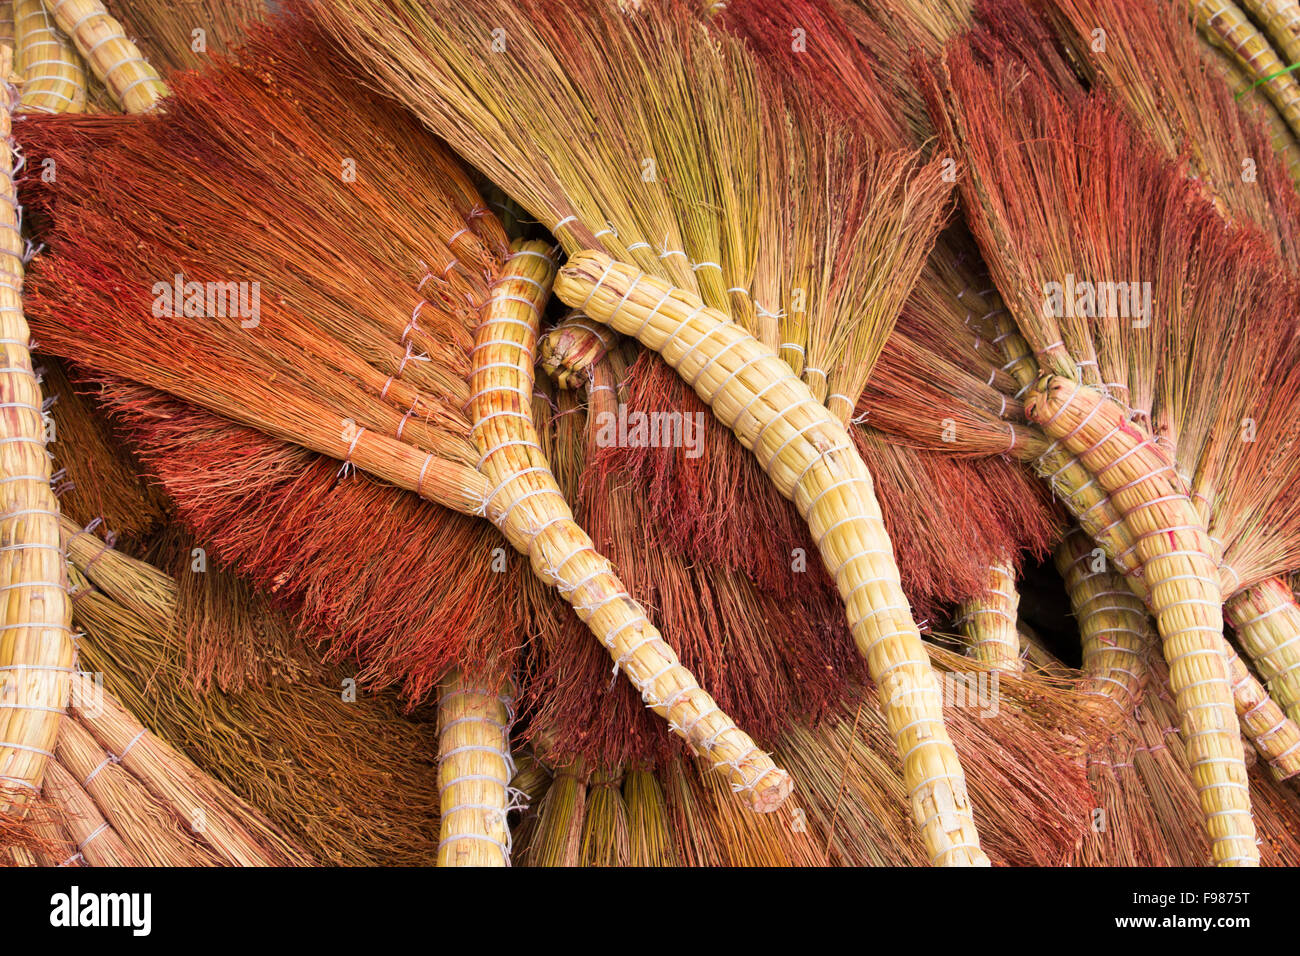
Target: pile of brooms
column 796, row 347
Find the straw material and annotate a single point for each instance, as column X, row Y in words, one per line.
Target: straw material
column 1279, row 133
column 605, row 831
column 148, row 827
column 36, row 649
column 649, row 840
column 235, row 832
column 812, row 461
column 989, row 622
column 289, row 745
column 116, row 60
column 1267, row 621
column 474, row 774
column 7, row 23
column 54, row 75
column 527, row 505
column 97, row 843
column 100, row 480
column 1224, row 24
column 557, row 837
column 167, row 33
column 1182, row 580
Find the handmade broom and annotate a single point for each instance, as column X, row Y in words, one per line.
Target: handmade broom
column 460, row 102
column 287, row 740
column 36, row 647
column 365, row 444
column 100, row 39
column 826, row 38
column 1159, row 63
column 1050, row 339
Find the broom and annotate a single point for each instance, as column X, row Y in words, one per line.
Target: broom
column 1085, row 501
column 416, row 468
column 159, row 803
column 1204, row 569
column 1216, row 136
column 1255, row 524
column 765, row 843
column 814, row 371
column 36, row 647
column 288, row 743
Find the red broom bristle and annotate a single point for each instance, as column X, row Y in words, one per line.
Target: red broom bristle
column 381, row 575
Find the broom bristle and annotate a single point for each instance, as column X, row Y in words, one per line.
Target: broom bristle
column 101, row 481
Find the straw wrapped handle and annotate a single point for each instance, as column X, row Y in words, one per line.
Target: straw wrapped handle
column 989, row 622
column 54, row 75
column 1267, row 621
column 133, row 83
column 1182, row 578
column 37, row 656
column 474, row 773
column 812, row 460
column 1113, row 625
column 526, row 503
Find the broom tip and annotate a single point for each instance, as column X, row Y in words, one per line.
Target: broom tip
column 771, row 791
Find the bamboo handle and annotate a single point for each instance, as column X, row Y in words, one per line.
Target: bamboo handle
column 54, row 76
column 37, row 655
column 474, row 773
column 118, row 63
column 1182, row 581
column 1267, row 621
column 989, row 622
column 527, row 505
column 811, row 459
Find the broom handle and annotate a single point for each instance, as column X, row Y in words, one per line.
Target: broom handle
column 526, row 503
column 568, row 351
column 989, row 621
column 474, row 773
column 811, row 459
column 37, row 655
column 1182, row 580
column 54, row 76
column 1267, row 621
column 1113, row 626
column 133, row 83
